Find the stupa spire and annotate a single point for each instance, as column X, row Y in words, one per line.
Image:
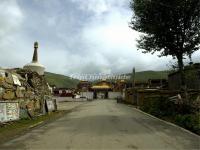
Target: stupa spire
column 35, row 54
column 35, row 65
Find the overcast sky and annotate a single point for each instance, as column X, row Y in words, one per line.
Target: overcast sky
column 75, row 36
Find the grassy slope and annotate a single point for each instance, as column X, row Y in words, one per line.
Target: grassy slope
column 11, row 129
column 145, row 75
column 64, row 81
column 60, row 81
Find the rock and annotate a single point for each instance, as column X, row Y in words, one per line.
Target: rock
column 2, row 73
column 23, row 113
column 8, row 95
column 30, row 95
column 37, row 105
column 16, row 80
column 1, row 80
column 2, row 90
column 25, row 86
column 22, row 103
column 9, row 79
column 7, row 85
column 20, row 92
column 30, row 108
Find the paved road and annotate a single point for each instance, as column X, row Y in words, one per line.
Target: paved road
column 104, row 124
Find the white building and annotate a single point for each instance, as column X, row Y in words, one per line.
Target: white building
column 35, row 65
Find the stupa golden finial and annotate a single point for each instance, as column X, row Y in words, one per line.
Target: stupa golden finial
column 35, row 44
column 35, row 55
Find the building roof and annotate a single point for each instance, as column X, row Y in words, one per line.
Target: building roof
column 101, row 87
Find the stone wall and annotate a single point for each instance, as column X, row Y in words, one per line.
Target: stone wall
column 114, row 95
column 26, row 87
column 88, row 95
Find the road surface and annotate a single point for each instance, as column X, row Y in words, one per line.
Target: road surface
column 104, row 124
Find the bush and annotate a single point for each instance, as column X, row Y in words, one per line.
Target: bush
column 189, row 121
column 158, row 106
column 182, row 115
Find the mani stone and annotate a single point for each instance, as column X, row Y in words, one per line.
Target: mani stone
column 7, row 85
column 37, row 104
column 20, row 92
column 30, row 95
column 1, row 92
column 22, row 103
column 8, row 95
column 23, row 113
column 1, row 80
column 9, row 79
column 30, row 107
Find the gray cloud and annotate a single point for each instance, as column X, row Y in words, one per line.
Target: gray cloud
column 75, row 36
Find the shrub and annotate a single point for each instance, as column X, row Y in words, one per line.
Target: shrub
column 189, row 121
column 158, row 106
column 182, row 115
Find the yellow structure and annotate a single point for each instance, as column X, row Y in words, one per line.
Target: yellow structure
column 101, row 89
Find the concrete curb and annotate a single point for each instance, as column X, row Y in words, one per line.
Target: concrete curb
column 169, row 123
column 35, row 125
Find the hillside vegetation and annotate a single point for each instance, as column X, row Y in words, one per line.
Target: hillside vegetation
column 63, row 81
column 60, row 81
column 145, row 75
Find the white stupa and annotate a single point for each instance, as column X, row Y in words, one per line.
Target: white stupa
column 35, row 65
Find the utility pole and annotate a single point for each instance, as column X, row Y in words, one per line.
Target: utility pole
column 133, row 77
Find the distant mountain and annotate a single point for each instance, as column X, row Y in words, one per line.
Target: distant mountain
column 60, row 81
column 145, row 75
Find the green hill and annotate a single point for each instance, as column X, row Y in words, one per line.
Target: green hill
column 145, row 75
column 60, row 81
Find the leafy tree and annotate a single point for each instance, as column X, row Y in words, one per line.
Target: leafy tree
column 171, row 27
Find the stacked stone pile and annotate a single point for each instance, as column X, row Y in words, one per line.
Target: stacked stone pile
column 26, row 87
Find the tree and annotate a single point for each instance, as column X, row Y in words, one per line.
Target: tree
column 171, row 27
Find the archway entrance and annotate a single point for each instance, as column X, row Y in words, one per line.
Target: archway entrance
column 101, row 90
